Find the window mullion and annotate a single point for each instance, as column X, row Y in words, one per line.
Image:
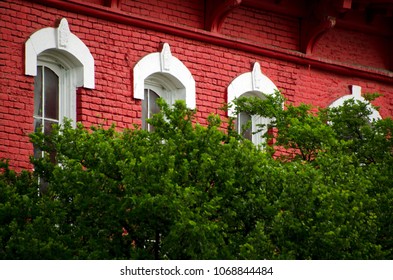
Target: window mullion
column 148, row 109
column 43, row 104
column 43, row 99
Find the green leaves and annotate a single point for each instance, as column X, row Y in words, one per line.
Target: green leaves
column 323, row 190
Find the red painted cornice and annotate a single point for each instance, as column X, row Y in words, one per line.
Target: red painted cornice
column 118, row 16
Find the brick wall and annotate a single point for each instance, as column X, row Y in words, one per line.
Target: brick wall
column 184, row 12
column 354, row 48
column 116, row 49
column 16, row 90
column 263, row 28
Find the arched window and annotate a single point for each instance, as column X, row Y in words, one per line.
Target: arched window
column 356, row 94
column 162, row 75
column 60, row 62
column 250, row 84
column 67, row 58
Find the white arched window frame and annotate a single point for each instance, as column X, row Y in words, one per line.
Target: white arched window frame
column 253, row 84
column 356, row 94
column 163, row 70
column 58, row 48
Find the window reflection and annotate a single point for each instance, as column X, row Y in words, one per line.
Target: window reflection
column 46, row 99
column 244, row 125
column 46, row 108
column 149, row 108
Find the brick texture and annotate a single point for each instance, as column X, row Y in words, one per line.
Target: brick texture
column 354, row 48
column 183, row 12
column 116, row 49
column 263, row 28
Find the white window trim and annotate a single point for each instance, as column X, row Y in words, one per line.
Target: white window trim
column 61, row 42
column 356, row 94
column 251, row 84
column 157, row 88
column 163, row 66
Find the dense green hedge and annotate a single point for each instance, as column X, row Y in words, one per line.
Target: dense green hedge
column 322, row 190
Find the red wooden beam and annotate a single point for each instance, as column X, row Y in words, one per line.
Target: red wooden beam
column 217, row 11
column 114, row 4
column 313, row 33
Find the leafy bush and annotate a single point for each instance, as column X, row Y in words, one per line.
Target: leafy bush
column 322, row 190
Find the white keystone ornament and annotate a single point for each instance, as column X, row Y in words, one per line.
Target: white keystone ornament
column 63, row 34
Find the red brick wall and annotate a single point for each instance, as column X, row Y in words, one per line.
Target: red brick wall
column 354, row 48
column 16, row 90
column 263, row 28
column 116, row 49
column 184, row 12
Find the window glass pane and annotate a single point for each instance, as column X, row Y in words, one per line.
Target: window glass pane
column 244, row 125
column 37, row 127
column 145, row 112
column 51, row 84
column 48, row 126
column 154, row 109
column 149, row 108
column 37, row 124
column 38, row 92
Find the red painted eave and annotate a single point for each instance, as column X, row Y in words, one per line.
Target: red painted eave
column 118, row 16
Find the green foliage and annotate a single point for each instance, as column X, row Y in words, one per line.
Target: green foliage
column 322, row 190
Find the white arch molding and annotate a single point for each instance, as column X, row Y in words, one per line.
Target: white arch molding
column 251, row 84
column 167, row 70
column 356, row 94
column 70, row 50
column 254, row 82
